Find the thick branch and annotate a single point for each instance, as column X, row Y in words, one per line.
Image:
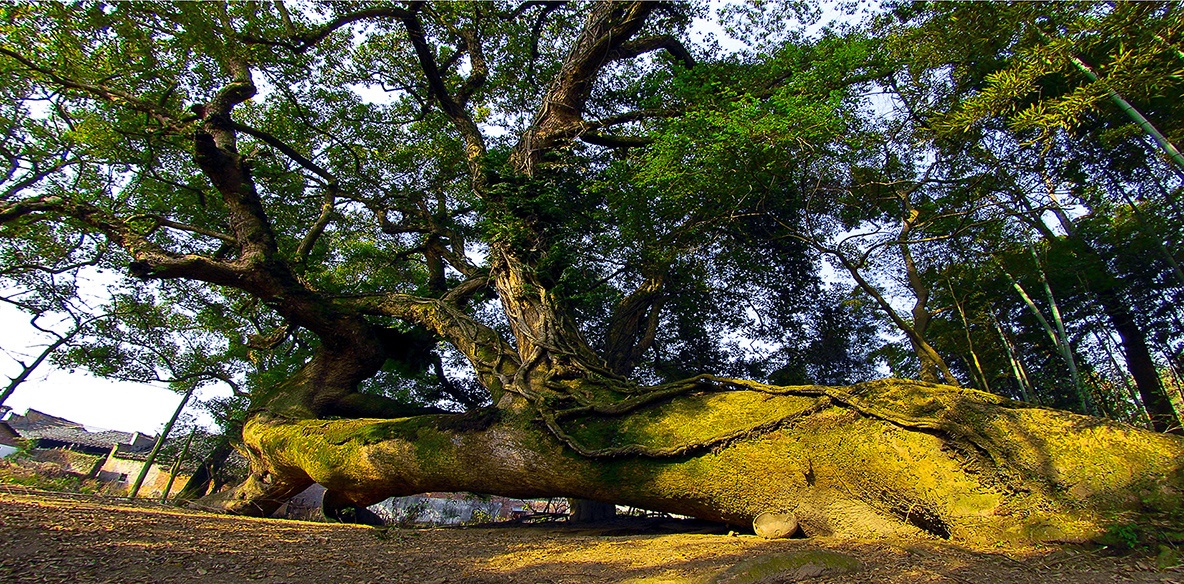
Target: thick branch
column 649, row 44
column 318, row 227
column 495, row 361
column 633, row 326
column 479, row 68
column 474, row 143
column 248, row 220
column 609, row 26
column 150, row 259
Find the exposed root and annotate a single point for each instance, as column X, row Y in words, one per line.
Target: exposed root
column 552, row 416
column 680, row 450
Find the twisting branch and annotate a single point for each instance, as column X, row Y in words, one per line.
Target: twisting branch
column 633, row 326
column 288, row 151
column 474, row 142
column 650, row 44
column 609, row 26
column 300, row 42
column 318, row 227
column 479, row 68
column 495, row 361
column 270, row 341
column 34, row 176
column 310, row 38
column 536, row 29
column 28, row 369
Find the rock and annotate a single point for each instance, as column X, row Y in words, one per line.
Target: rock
column 775, row 525
column 788, row 567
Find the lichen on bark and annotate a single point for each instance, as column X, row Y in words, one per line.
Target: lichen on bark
column 885, row 458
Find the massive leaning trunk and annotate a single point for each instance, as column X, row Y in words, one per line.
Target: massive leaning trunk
column 891, row 457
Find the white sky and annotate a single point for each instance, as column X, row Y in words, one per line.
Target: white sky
column 88, row 400
column 78, row 396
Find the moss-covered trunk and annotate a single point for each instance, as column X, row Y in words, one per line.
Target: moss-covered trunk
column 882, row 458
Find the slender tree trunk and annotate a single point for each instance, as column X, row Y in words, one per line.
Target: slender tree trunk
column 1021, row 378
column 164, row 434
column 933, row 367
column 1160, row 140
column 977, row 367
column 1132, row 338
column 1067, row 347
column 926, row 353
column 1058, row 341
column 168, row 487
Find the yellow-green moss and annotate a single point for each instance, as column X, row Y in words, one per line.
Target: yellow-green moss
column 692, row 418
column 886, row 458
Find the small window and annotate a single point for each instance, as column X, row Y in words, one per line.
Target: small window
column 123, row 477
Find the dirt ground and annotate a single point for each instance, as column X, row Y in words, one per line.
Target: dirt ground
column 51, row 537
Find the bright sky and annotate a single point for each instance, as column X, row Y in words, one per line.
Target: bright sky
column 77, row 396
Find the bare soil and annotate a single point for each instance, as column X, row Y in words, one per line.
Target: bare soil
column 52, row 537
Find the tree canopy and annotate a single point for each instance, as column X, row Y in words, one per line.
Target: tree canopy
column 550, row 223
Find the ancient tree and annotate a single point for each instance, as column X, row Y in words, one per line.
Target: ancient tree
column 532, row 188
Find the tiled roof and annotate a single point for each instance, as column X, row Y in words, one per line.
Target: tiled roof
column 35, row 425
column 104, row 439
column 35, row 420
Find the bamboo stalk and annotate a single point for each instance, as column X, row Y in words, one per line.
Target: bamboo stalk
column 164, row 497
column 164, row 433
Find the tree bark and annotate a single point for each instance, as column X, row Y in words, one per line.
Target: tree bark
column 1131, row 336
column 1139, row 363
column 883, row 458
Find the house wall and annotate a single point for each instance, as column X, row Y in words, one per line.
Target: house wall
column 123, row 471
column 306, row 506
column 70, row 461
column 445, row 509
